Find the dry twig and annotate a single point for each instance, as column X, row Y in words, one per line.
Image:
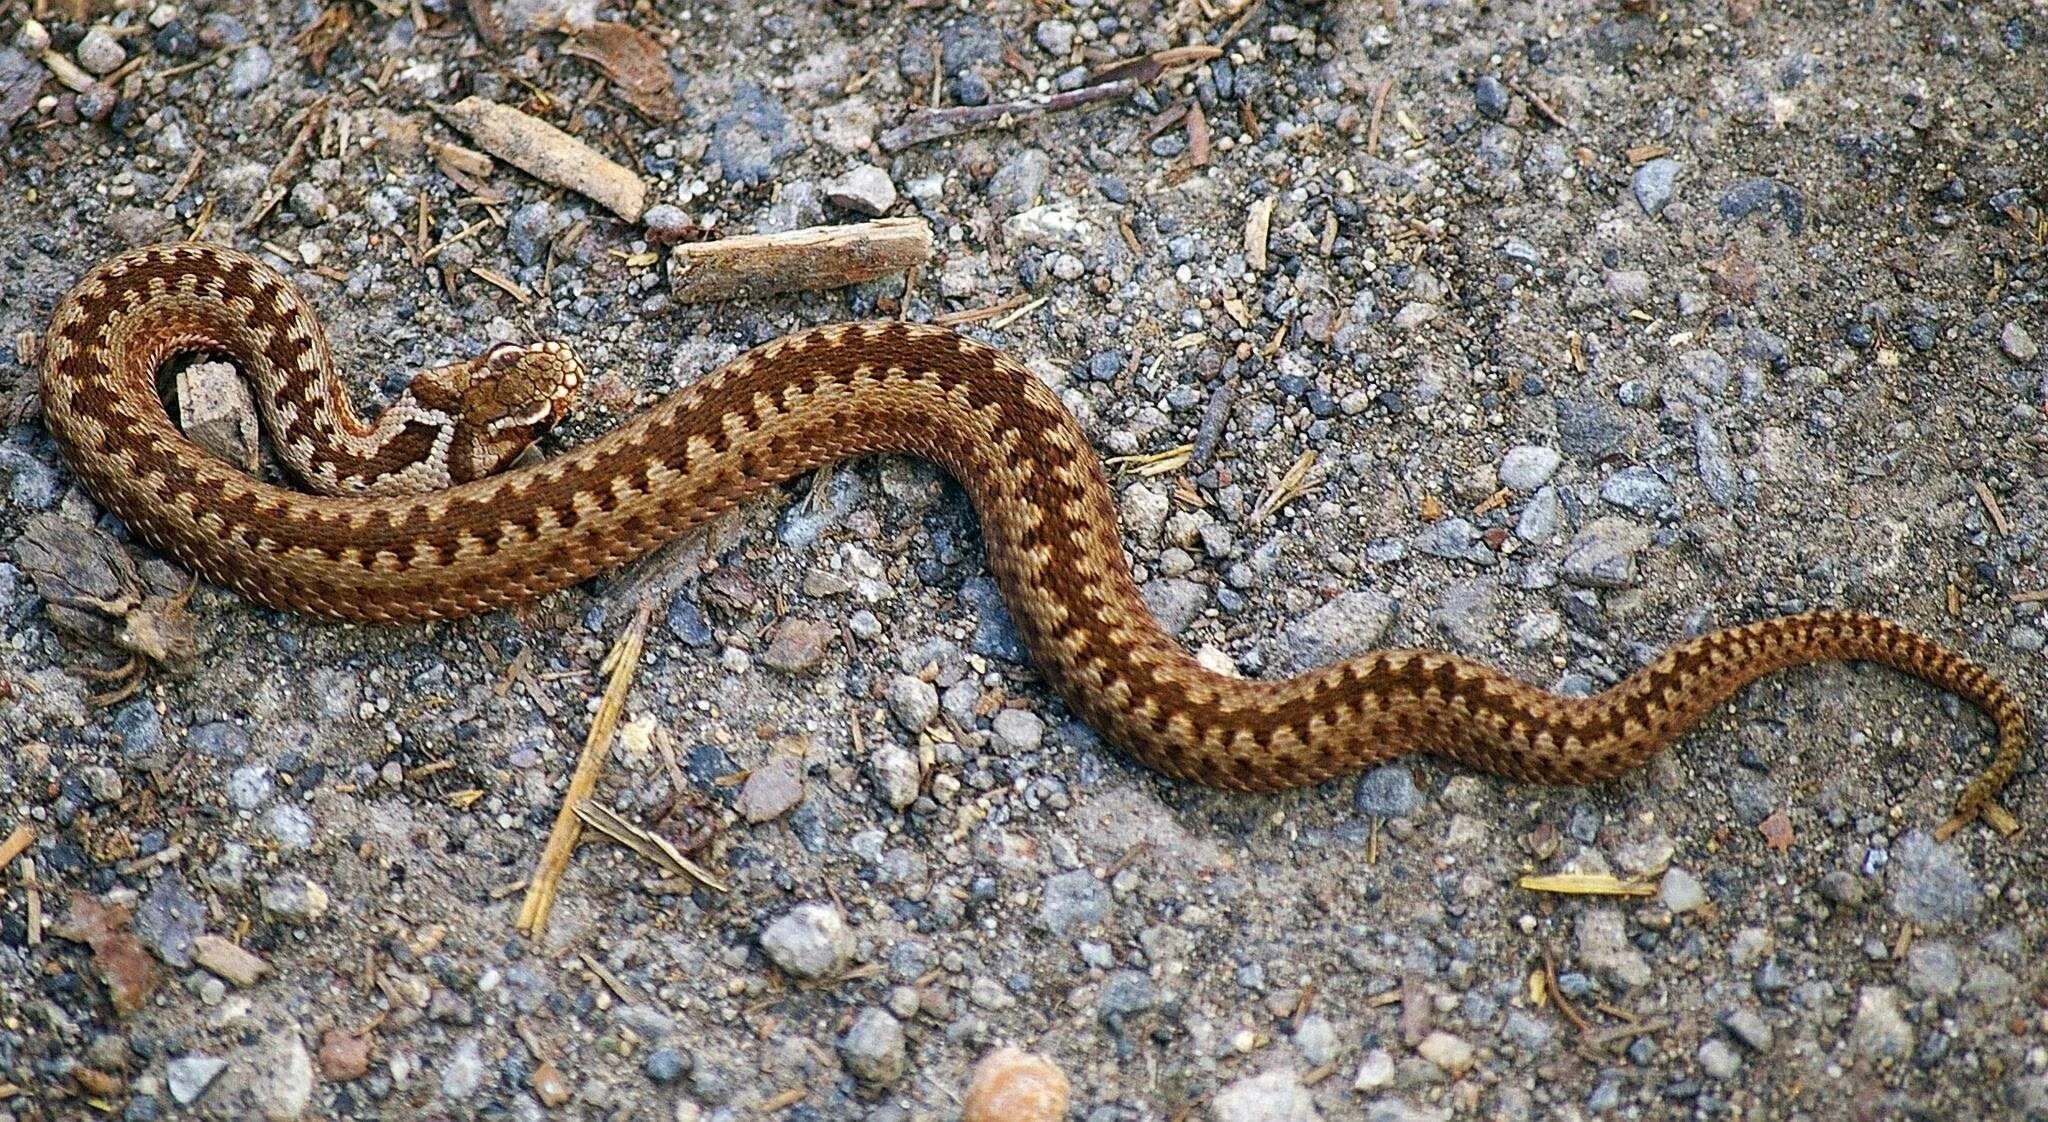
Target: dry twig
column 554, row 858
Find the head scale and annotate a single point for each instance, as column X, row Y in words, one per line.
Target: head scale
column 500, row 402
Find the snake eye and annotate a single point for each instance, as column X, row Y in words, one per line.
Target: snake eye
column 502, row 357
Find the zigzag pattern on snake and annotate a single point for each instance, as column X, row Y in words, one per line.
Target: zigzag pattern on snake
column 428, row 526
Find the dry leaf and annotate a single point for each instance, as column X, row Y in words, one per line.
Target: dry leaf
column 635, row 63
column 118, row 957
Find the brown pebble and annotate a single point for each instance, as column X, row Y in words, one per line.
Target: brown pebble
column 343, row 1056
column 797, row 645
column 549, row 1086
column 1012, row 1085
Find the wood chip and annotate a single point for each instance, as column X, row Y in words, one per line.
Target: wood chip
column 17, row 842
column 228, row 959
column 549, row 154
column 621, row 663
column 812, row 259
column 1586, row 884
column 1257, row 230
column 1155, row 463
column 1990, row 502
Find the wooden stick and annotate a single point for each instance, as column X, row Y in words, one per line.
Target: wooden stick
column 23, row 836
column 554, row 858
column 1116, row 82
column 818, row 257
column 548, row 154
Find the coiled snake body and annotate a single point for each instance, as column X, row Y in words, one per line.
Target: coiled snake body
column 426, row 526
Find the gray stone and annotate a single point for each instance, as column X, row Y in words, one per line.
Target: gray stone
column 1317, row 1039
column 1680, row 891
column 912, row 700
column 1933, row 969
column 1639, row 489
column 1710, row 455
column 1587, row 426
column 1719, row 1060
column 189, row 1076
column 897, row 775
column 1018, row 184
column 809, row 941
column 1532, row 1033
column 751, row 139
column 666, row 1065
column 1017, row 730
column 1387, row 791
column 294, row 897
column 168, row 919
column 1126, row 993
column 527, row 231
column 1348, row 625
column 1073, row 902
column 1749, row 1029
column 1490, row 97
column 1929, row 882
column 1654, row 183
column 1603, row 946
column 1880, row 1031
column 290, row 827
column 1276, row 1096
column 1467, row 614
column 1452, row 1054
column 1603, row 555
column 251, row 70
column 1542, row 518
column 272, row 1078
column 99, row 52
column 846, row 126
column 250, row 786
column 1627, row 288
column 1529, row 466
column 1454, row 539
column 1055, row 37
column 1174, row 602
column 865, row 189
column 873, row 1048
column 463, row 1072
column 2015, row 341
column 1842, row 887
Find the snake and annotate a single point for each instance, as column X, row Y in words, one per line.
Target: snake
column 421, row 514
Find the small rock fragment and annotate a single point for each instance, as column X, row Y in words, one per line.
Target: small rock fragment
column 1012, row 1085
column 865, row 189
column 189, row 1076
column 1276, row 1096
column 873, row 1047
column 771, row 791
column 797, row 645
column 809, row 941
column 343, row 1056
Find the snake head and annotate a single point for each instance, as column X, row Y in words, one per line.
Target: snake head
column 499, row 403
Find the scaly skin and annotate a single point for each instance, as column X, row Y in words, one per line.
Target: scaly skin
column 799, row 403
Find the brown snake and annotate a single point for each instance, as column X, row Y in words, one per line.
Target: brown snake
column 427, row 526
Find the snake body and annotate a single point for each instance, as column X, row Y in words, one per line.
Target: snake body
column 799, row 403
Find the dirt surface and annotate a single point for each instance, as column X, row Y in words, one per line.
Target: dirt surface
column 1575, row 328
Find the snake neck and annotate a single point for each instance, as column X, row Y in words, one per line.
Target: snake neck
column 175, row 307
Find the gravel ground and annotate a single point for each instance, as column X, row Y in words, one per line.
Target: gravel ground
column 1581, row 327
